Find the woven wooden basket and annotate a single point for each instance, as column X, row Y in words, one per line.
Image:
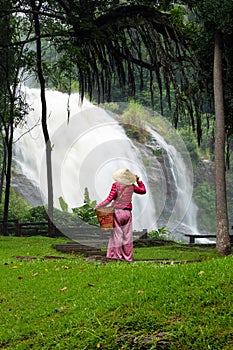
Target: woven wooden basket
column 105, row 217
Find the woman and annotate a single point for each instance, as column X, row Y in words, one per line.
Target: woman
column 120, row 245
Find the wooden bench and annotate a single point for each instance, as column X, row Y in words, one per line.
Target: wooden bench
column 193, row 236
column 36, row 227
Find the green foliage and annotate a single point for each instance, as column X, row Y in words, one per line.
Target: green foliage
column 63, row 205
column 37, row 214
column 84, row 213
column 1, row 152
column 65, row 218
column 18, row 207
column 204, row 197
column 177, row 15
column 229, row 178
column 114, row 107
column 22, row 210
column 208, row 136
column 159, row 233
column 87, row 214
column 86, row 196
column 87, row 199
column 62, row 218
column 134, row 121
column 191, row 144
column 216, row 14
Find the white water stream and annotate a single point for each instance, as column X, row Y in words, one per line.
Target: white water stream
column 178, row 210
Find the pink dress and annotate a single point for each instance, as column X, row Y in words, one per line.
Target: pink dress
column 120, row 245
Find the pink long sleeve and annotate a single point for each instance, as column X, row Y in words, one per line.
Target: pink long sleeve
column 125, row 202
column 112, row 195
column 139, row 188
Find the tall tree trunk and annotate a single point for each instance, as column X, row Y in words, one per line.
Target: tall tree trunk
column 223, row 244
column 9, row 142
column 44, row 116
column 3, row 170
column 7, row 117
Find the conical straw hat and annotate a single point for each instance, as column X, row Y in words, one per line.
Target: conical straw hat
column 124, row 176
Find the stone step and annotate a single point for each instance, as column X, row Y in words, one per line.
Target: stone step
column 71, row 247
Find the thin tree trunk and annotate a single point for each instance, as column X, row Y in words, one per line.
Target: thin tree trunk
column 3, row 170
column 9, row 142
column 223, row 244
column 44, row 118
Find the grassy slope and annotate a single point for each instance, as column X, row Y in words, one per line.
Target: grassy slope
column 75, row 304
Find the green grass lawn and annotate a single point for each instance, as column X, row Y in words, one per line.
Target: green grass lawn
column 70, row 303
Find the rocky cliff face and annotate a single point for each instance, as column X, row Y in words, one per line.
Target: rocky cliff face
column 26, row 189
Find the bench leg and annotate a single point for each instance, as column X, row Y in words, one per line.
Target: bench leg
column 191, row 240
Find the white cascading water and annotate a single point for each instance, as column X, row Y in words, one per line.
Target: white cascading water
column 180, row 210
column 85, row 153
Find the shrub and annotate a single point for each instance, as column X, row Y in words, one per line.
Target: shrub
column 87, row 214
column 133, row 121
column 18, row 207
column 159, row 233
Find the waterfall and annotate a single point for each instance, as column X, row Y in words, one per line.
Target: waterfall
column 177, row 210
column 88, row 148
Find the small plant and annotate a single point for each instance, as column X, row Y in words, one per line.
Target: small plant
column 86, row 212
column 159, row 233
column 63, row 205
